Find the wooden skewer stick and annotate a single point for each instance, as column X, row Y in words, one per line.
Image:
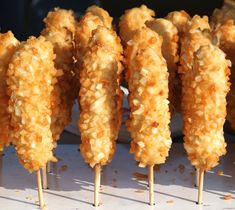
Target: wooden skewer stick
column 151, row 185
column 200, row 187
column 197, row 177
column 44, row 178
column 40, row 193
column 97, row 185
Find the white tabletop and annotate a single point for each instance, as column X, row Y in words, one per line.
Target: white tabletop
column 71, row 183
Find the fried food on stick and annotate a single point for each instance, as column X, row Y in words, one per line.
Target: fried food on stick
column 100, row 97
column 94, row 17
column 31, row 77
column 148, row 86
column 205, row 87
column 8, row 45
column 59, row 30
column 169, row 33
column 132, row 20
column 225, row 35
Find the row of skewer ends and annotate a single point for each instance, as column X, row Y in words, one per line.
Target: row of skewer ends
column 177, row 63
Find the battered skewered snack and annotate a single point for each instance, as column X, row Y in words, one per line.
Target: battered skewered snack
column 132, row 20
column 180, row 19
column 169, row 33
column 149, row 119
column 225, row 35
column 204, row 109
column 59, row 30
column 100, row 100
column 8, row 45
column 148, row 87
column 100, row 97
column 204, row 100
column 94, row 17
column 31, row 78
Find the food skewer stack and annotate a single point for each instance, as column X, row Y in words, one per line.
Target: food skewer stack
column 100, row 99
column 39, row 82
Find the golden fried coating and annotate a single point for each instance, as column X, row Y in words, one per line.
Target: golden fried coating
column 93, row 18
column 225, row 35
column 197, row 33
column 100, row 97
column 179, row 19
column 8, row 45
column 205, row 88
column 220, row 16
column 102, row 14
column 148, row 86
column 169, row 33
column 31, row 77
column 132, row 20
column 59, row 30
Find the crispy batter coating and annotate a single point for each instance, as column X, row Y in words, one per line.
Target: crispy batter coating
column 169, row 33
column 59, row 30
column 180, row 19
column 31, row 78
column 197, row 33
column 205, row 88
column 100, row 97
column 132, row 20
column 148, row 86
column 8, row 45
column 225, row 35
column 220, row 16
column 93, row 17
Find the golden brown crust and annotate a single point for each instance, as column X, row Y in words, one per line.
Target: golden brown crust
column 60, row 29
column 225, row 36
column 100, row 97
column 204, row 106
column 31, row 78
column 132, row 20
column 8, row 45
column 169, row 33
column 94, row 17
column 148, row 86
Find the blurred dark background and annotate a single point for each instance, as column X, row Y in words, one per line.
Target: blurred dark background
column 24, row 17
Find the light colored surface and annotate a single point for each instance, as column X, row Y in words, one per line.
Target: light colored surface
column 71, row 183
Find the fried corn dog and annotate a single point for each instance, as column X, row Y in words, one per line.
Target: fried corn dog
column 132, row 20
column 8, row 45
column 59, row 30
column 100, row 97
column 204, row 106
column 148, row 86
column 169, row 33
column 225, row 35
column 94, row 17
column 31, row 77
